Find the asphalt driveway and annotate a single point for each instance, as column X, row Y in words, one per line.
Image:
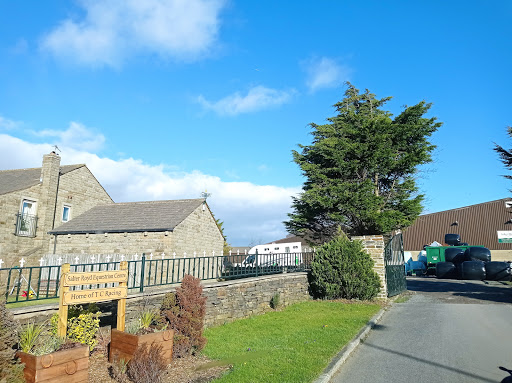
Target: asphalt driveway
column 449, row 331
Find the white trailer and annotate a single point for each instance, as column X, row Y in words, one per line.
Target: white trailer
column 274, row 254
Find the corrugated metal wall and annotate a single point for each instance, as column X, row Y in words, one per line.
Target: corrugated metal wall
column 476, row 224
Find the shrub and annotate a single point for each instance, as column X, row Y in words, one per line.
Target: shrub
column 119, row 370
column 11, row 370
column 185, row 311
column 83, row 324
column 83, row 329
column 147, row 364
column 342, row 269
column 275, row 301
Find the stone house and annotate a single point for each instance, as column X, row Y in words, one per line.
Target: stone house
column 35, row 201
column 178, row 226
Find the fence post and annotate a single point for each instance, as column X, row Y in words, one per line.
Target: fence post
column 142, row 272
column 256, row 262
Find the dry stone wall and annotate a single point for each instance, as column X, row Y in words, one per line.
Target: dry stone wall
column 226, row 301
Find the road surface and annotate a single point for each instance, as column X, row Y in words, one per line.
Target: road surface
column 449, row 331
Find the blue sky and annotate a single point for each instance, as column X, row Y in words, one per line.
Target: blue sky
column 163, row 99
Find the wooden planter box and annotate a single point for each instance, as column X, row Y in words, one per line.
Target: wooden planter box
column 123, row 345
column 69, row 366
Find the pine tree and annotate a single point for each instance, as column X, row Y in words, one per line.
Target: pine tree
column 505, row 155
column 360, row 169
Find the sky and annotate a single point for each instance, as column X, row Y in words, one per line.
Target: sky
column 164, row 99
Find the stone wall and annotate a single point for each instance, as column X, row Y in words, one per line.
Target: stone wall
column 197, row 233
column 226, row 301
column 374, row 245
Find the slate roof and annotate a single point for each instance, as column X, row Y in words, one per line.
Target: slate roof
column 19, row 179
column 130, row 217
column 290, row 238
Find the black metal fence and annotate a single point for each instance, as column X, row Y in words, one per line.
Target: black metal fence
column 394, row 263
column 42, row 282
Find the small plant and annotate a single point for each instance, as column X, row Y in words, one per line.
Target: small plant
column 83, row 324
column 132, row 327
column 147, row 364
column 146, row 318
column 83, row 329
column 275, row 301
column 103, row 337
column 29, row 336
column 185, row 311
column 119, row 369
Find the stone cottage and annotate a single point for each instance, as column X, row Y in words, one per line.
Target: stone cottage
column 35, row 201
column 178, row 226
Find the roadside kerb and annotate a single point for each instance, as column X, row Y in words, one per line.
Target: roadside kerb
column 345, row 352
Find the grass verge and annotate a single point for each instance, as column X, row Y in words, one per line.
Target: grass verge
column 32, row 302
column 293, row 345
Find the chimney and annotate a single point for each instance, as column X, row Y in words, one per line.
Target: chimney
column 49, row 185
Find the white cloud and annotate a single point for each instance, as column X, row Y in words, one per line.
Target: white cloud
column 257, row 98
column 249, row 211
column 111, row 31
column 324, row 72
column 77, row 136
column 8, row 124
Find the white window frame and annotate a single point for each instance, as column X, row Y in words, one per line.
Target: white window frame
column 64, row 206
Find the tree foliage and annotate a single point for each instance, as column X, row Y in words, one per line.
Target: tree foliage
column 342, row 269
column 360, row 169
column 505, row 155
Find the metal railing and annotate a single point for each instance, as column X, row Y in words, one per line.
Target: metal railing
column 26, row 225
column 42, row 282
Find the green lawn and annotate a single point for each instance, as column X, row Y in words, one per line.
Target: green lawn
column 293, row 345
column 22, row 302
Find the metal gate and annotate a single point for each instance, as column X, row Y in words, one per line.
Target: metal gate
column 394, row 263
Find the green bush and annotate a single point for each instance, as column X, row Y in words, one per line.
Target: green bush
column 83, row 324
column 342, row 269
column 83, row 329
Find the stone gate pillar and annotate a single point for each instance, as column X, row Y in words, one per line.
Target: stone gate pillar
column 374, row 245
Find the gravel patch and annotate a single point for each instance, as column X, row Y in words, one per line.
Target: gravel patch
column 181, row 370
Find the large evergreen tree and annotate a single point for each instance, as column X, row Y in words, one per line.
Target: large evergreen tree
column 505, row 155
column 360, row 169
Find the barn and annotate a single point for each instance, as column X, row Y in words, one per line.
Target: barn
column 487, row 224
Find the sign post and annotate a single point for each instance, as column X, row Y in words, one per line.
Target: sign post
column 76, row 297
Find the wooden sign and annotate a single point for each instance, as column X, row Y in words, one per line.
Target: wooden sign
column 93, row 295
column 95, row 277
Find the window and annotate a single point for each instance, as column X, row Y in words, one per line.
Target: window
column 66, row 213
column 295, row 247
column 276, row 248
column 266, row 249
column 26, row 222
